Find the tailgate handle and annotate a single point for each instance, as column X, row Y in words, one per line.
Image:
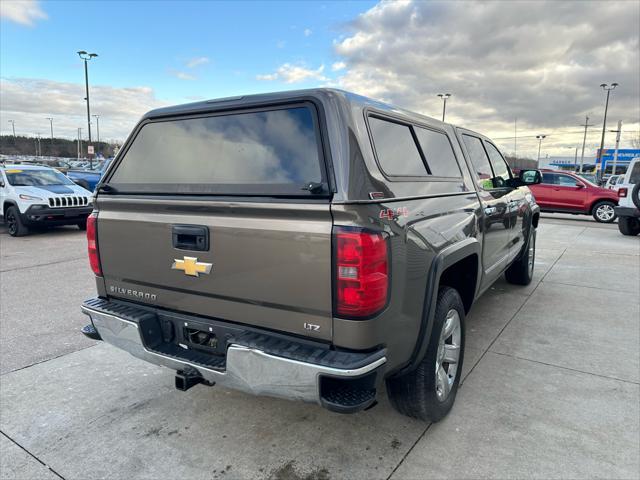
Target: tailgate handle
column 191, row 237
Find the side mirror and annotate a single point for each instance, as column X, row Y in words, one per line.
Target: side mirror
column 579, row 185
column 530, row 177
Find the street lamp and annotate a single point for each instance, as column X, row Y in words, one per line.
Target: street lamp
column 13, row 127
column 540, row 137
column 608, row 89
column 51, row 122
column 86, row 57
column 97, row 117
column 444, row 97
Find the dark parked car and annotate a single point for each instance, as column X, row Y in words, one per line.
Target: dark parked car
column 310, row 245
column 569, row 193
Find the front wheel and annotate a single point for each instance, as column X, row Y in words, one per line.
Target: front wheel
column 603, row 212
column 14, row 223
column 428, row 392
column 629, row 226
column 520, row 272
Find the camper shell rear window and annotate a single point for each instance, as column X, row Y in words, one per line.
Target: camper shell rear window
column 266, row 151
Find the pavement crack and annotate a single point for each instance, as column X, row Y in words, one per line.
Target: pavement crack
column 32, row 455
column 462, row 380
column 564, row 368
column 75, row 259
column 420, row 437
column 47, row 360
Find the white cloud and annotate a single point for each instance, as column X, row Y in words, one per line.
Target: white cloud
column 194, row 62
column 29, row 101
column 539, row 61
column 24, row 12
column 338, row 66
column 289, row 73
column 281, row 44
column 307, row 32
column 182, row 75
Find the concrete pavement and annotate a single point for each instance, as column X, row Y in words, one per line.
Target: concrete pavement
column 551, row 385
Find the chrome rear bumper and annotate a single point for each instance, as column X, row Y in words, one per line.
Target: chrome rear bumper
column 247, row 369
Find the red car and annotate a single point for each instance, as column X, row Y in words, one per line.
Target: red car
column 568, row 193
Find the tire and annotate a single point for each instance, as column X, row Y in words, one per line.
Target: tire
column 14, row 223
column 635, row 195
column 82, row 225
column 603, row 212
column 629, row 226
column 414, row 394
column 520, row 272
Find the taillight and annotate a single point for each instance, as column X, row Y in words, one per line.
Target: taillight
column 361, row 266
column 92, row 241
column 622, row 192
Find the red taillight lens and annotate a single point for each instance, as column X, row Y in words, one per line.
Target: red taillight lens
column 92, row 241
column 622, row 192
column 361, row 262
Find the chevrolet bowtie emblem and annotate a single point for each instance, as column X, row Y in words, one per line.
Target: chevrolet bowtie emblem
column 191, row 266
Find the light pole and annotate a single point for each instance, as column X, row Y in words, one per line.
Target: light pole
column 79, row 142
column 444, row 97
column 539, row 137
column 608, row 89
column 51, row 123
column 97, row 117
column 86, row 57
column 618, row 132
column 584, row 140
column 13, row 128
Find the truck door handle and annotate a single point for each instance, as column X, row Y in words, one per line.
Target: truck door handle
column 190, row 237
column 490, row 210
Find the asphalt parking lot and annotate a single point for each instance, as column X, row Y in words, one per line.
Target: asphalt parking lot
column 551, row 384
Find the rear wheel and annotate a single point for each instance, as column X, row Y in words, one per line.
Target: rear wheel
column 629, row 226
column 520, row 272
column 14, row 223
column 428, row 392
column 603, row 212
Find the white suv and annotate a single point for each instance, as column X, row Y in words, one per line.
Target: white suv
column 32, row 195
column 628, row 209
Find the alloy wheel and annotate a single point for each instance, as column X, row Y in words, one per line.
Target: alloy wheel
column 448, row 355
column 605, row 212
column 532, row 253
column 12, row 223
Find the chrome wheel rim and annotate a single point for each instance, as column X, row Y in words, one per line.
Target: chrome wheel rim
column 605, row 212
column 12, row 223
column 532, row 253
column 448, row 356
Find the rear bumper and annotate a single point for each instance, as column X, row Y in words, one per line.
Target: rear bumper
column 44, row 215
column 253, row 362
column 627, row 212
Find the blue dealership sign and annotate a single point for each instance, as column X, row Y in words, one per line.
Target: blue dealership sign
column 625, row 155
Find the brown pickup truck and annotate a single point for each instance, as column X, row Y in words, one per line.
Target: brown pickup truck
column 309, row 245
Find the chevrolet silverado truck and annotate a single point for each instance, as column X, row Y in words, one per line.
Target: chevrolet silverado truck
column 309, row 245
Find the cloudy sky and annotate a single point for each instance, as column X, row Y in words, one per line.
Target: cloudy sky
column 538, row 62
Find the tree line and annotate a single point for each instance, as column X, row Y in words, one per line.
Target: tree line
column 58, row 147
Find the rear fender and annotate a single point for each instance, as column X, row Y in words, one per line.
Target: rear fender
column 443, row 260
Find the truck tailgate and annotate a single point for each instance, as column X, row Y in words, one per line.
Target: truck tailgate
column 269, row 264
